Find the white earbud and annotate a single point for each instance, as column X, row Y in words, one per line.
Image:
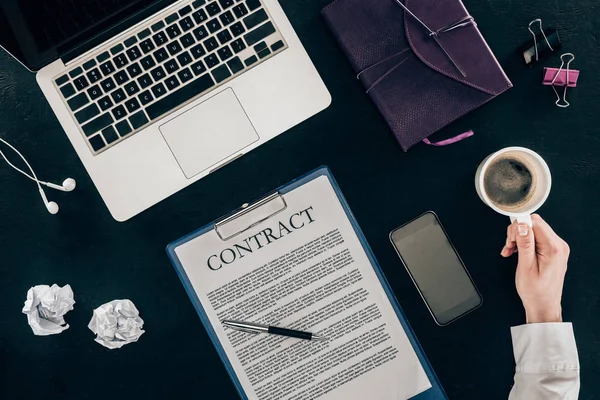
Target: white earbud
column 68, row 184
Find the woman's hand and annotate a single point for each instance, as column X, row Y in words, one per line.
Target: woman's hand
column 541, row 269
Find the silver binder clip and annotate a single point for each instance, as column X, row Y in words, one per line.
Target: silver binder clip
column 535, row 45
column 250, row 215
column 564, row 103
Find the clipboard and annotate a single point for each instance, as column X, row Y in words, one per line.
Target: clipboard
column 252, row 214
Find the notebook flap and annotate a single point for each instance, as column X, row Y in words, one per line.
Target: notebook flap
column 465, row 44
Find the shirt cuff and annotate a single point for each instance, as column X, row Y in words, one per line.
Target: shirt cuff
column 545, row 347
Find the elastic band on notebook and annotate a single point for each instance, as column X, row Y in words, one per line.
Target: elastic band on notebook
column 451, row 140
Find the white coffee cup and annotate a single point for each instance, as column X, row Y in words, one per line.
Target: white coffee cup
column 541, row 183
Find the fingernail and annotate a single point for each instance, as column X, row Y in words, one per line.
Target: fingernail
column 522, row 229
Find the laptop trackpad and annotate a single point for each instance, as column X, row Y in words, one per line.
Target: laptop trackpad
column 209, row 133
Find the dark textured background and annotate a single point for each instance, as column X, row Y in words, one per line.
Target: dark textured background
column 104, row 260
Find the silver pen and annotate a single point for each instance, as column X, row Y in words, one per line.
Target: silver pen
column 250, row 327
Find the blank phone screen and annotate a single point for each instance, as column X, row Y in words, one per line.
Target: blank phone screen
column 435, row 268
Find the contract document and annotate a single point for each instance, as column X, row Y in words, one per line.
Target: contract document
column 299, row 262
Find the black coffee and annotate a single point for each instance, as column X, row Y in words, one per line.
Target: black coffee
column 508, row 182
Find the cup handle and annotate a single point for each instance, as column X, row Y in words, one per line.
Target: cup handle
column 522, row 219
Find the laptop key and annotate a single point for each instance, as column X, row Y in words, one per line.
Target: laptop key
column 87, row 113
column 97, row 142
column 259, row 33
column 187, row 40
column 198, row 3
column 131, row 88
column 185, row 10
column 186, row 24
column 119, row 112
column 226, row 3
column 76, row 72
column 116, row 49
column 145, row 81
column 158, row 90
column 237, row 29
column 213, row 25
column 161, row 55
column 67, row 91
column 78, row 101
column 185, row 75
column 123, row 128
column 105, row 103
column 118, row 95
column 121, row 60
column 160, row 38
column 238, row 45
column 147, row 62
column 240, row 10
column 213, row 9
column 138, row 120
column 132, row 104
column 224, row 36
column 260, row 47
column 171, row 66
column 158, row 73
column 94, row 92
column 134, row 70
column 110, row 135
column 145, row 97
column 131, row 41
column 211, row 60
column 250, row 60
column 144, row 34
column 252, row 4
column 200, row 16
column 226, row 18
column 133, row 53
column 200, row 32
column 180, row 96
column 264, row 53
column 108, row 84
column 235, row 65
column 121, row 77
column 94, row 75
column 97, row 124
column 173, row 31
column 172, row 18
column 147, row 46
column 184, row 59
column 174, row 48
column 171, row 82
column 197, row 51
column 198, row 68
column 157, row 26
column 89, row 64
column 81, row 83
column 225, row 53
column 277, row 45
column 103, row 56
column 221, row 73
column 256, row 18
column 211, row 44
column 62, row 79
column 107, row 68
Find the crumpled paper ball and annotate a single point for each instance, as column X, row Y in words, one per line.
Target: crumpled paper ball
column 116, row 323
column 45, row 308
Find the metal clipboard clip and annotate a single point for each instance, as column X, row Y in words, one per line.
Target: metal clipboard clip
column 250, row 215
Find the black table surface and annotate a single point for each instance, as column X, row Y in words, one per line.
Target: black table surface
column 104, row 260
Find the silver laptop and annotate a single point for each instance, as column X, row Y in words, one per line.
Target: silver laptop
column 155, row 95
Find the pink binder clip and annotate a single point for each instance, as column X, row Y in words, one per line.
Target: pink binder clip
column 561, row 77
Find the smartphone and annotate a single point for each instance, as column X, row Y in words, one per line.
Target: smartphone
column 436, row 268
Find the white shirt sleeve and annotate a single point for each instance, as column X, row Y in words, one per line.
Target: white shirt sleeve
column 547, row 362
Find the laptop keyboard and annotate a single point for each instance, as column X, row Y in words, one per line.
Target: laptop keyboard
column 159, row 68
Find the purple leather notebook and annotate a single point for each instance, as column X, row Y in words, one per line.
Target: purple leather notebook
column 424, row 67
